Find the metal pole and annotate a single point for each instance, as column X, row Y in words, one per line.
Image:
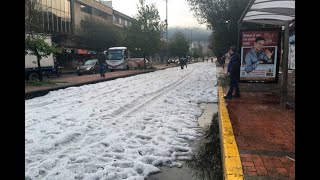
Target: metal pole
column 72, row 14
column 284, row 82
column 245, row 11
column 167, row 58
column 191, row 41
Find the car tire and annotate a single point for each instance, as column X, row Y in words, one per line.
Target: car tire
column 33, row 76
column 79, row 74
column 94, row 72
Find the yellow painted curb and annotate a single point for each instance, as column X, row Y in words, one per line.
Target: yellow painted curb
column 231, row 162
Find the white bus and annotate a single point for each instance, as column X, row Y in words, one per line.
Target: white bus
column 119, row 58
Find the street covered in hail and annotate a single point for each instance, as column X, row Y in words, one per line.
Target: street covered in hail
column 120, row 129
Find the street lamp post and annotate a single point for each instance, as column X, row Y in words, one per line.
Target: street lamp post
column 167, row 58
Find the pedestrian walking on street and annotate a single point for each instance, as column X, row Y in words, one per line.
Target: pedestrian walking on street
column 102, row 63
column 233, row 71
column 186, row 62
column 181, row 61
column 223, row 61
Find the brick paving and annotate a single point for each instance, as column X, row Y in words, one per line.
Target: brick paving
column 264, row 132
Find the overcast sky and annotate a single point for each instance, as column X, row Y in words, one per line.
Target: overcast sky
column 179, row 13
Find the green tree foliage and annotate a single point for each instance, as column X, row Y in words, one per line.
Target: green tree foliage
column 196, row 53
column 135, row 39
column 179, row 45
column 35, row 44
column 222, row 17
column 145, row 33
column 97, row 35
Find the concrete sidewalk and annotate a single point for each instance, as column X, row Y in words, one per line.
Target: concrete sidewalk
column 264, row 133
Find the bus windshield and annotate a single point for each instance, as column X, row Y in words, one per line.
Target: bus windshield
column 115, row 55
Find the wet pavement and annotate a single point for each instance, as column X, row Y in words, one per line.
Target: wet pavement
column 174, row 173
column 265, row 134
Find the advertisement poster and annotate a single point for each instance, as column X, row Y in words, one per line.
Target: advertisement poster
column 292, row 51
column 260, row 53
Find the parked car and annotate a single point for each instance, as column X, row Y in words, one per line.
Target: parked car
column 171, row 61
column 136, row 63
column 91, row 66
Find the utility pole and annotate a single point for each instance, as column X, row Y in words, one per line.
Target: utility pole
column 167, row 40
column 72, row 14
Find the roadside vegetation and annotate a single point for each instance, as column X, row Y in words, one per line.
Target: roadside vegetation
column 40, row 83
column 206, row 161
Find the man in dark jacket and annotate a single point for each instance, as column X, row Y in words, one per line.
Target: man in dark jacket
column 182, row 62
column 233, row 71
column 102, row 63
column 223, row 60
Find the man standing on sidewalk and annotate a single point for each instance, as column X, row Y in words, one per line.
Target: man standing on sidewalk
column 233, row 71
column 102, row 63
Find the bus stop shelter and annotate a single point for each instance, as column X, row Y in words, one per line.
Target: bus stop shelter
column 274, row 12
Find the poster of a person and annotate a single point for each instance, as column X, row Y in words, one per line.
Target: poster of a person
column 258, row 55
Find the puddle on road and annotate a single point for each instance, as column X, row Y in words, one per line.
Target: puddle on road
column 206, row 158
column 208, row 111
column 174, row 173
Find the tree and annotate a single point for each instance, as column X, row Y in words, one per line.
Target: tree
column 35, row 44
column 135, row 39
column 145, row 33
column 179, row 45
column 96, row 35
column 221, row 16
column 196, row 53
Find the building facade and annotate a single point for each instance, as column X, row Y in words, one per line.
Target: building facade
column 61, row 18
column 93, row 9
column 55, row 15
column 120, row 19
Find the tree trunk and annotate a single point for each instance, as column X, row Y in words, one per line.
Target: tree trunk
column 39, row 68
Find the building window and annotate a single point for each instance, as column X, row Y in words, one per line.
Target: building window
column 101, row 14
column 117, row 19
column 55, row 15
column 55, row 20
column 86, row 9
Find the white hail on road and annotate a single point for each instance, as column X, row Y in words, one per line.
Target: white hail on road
column 119, row 129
